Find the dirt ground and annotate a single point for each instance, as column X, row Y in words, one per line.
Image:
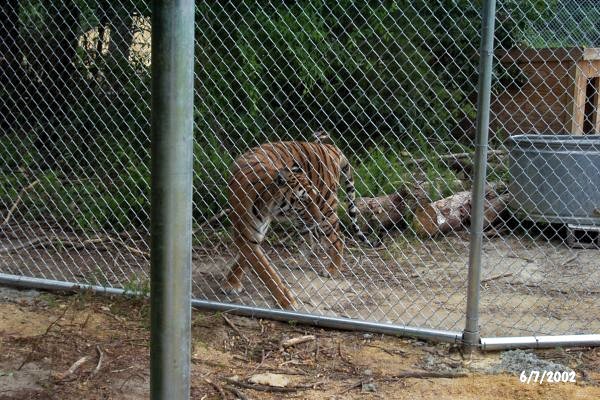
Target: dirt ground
column 532, row 282
column 43, row 335
column 530, row 285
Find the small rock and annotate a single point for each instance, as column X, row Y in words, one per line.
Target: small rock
column 275, row 380
column 20, row 296
column 369, row 387
column 368, row 336
column 518, row 360
column 368, row 372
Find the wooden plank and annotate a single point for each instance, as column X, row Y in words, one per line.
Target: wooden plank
column 596, row 103
column 541, row 55
column 578, row 102
column 591, row 54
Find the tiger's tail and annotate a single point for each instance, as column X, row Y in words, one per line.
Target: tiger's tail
column 322, row 137
column 346, row 170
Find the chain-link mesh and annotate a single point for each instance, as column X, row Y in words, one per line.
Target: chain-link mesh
column 542, row 264
column 394, row 85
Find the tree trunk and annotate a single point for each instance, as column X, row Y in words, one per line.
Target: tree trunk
column 120, row 18
column 55, row 65
column 444, row 215
column 10, row 63
column 453, row 213
column 429, row 218
column 392, row 210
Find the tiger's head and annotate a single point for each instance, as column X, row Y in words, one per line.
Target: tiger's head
column 294, row 191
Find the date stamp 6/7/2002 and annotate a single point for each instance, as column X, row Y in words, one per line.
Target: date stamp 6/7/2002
column 537, row 376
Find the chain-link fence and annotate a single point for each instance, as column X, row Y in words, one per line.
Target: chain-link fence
column 394, row 86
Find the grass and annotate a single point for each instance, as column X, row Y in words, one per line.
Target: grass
column 138, row 286
column 87, row 203
column 387, row 170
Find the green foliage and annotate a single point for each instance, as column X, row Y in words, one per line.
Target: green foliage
column 137, row 286
column 100, row 174
column 16, row 152
column 211, row 164
column 345, row 66
column 91, row 156
column 381, row 77
column 564, row 23
column 81, row 203
column 385, row 171
column 381, row 172
column 363, row 70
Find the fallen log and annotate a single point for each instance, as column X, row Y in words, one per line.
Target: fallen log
column 383, row 211
column 493, row 209
column 453, row 213
column 444, row 215
column 398, row 209
column 393, row 209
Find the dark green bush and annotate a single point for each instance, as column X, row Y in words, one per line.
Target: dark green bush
column 380, row 76
column 363, row 70
column 211, row 164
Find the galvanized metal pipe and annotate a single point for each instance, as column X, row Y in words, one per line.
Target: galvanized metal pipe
column 490, row 344
column 539, row 342
column 255, row 312
column 26, row 282
column 171, row 217
column 486, row 52
column 333, row 322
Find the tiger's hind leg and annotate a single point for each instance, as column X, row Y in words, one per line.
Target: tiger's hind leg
column 233, row 284
column 310, row 237
column 330, row 238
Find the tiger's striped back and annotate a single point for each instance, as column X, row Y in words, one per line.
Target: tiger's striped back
column 323, row 164
column 319, row 166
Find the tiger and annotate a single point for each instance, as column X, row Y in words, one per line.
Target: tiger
column 283, row 180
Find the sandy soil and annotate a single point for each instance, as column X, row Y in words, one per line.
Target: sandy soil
column 530, row 286
column 42, row 335
column 533, row 284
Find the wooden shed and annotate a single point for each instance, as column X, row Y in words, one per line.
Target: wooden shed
column 560, row 93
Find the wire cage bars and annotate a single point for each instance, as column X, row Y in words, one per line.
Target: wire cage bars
column 393, row 85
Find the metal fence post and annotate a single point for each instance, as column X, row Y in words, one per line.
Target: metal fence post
column 172, row 143
column 398, row 108
column 486, row 53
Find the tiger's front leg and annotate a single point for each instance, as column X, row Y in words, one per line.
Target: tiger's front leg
column 252, row 255
column 333, row 242
column 328, row 236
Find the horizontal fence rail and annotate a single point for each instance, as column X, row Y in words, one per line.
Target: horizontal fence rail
column 383, row 91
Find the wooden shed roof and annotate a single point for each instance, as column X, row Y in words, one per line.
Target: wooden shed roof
column 562, row 54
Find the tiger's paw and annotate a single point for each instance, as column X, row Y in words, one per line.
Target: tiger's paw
column 290, row 305
column 230, row 290
column 326, row 272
